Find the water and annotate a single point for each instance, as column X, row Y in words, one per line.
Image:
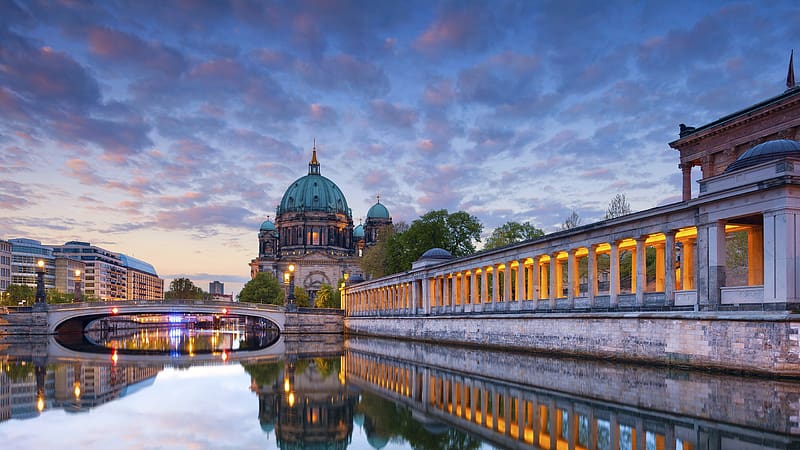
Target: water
column 243, row 386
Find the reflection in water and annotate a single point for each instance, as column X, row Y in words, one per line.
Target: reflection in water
column 181, row 334
column 373, row 392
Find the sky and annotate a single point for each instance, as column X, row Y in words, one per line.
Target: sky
column 169, row 130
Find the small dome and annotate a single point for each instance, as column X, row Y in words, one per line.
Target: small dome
column 378, row 211
column 267, row 226
column 436, row 253
column 766, row 151
column 358, row 232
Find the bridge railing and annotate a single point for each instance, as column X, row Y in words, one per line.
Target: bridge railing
column 171, row 302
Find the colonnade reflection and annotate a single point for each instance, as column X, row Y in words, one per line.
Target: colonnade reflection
column 518, row 415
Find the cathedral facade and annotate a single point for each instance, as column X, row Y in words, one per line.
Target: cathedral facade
column 313, row 230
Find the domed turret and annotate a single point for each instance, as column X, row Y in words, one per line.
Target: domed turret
column 765, row 152
column 377, row 217
column 378, row 211
column 267, row 225
column 358, row 232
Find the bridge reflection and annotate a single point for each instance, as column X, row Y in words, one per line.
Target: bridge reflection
column 518, row 414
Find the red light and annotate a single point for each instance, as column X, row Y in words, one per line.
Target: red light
column 224, row 310
column 114, row 310
column 114, row 357
column 224, row 356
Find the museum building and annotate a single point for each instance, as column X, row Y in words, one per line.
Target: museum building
column 313, row 230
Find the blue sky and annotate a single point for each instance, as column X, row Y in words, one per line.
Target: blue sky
column 168, row 130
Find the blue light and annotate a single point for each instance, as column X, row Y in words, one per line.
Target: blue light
column 174, row 319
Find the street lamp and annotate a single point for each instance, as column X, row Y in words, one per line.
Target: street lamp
column 288, row 277
column 40, row 294
column 78, row 294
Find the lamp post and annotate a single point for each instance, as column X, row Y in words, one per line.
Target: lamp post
column 78, row 294
column 288, row 277
column 40, row 294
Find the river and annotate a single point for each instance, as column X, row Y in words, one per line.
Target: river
column 177, row 387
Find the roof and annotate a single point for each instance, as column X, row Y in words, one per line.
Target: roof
column 436, row 253
column 690, row 131
column 137, row 264
column 313, row 192
column 378, row 211
column 358, row 232
column 765, row 151
column 267, row 225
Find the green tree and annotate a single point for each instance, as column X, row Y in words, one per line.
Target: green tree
column 572, row 221
column 55, row 296
column 301, row 297
column 618, row 206
column 374, row 262
column 512, row 232
column 183, row 288
column 264, row 288
column 20, row 293
column 457, row 233
column 327, row 297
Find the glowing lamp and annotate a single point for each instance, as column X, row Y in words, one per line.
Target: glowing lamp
column 224, row 310
column 291, row 268
column 114, row 310
column 224, row 356
column 40, row 404
column 291, row 399
column 40, row 263
column 114, row 357
column 77, row 273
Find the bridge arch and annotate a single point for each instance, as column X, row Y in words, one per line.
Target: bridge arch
column 61, row 313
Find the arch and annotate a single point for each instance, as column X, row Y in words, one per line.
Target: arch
column 59, row 314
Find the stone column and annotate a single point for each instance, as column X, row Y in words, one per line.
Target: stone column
column 669, row 268
column 613, row 282
column 715, row 271
column 484, row 285
column 495, row 283
column 447, row 300
column 686, row 169
column 553, row 274
column 571, row 277
column 426, row 296
column 521, row 281
column 507, row 282
column 534, row 282
column 559, row 277
column 641, row 271
column 544, row 284
column 660, row 274
column 591, row 274
column 781, row 271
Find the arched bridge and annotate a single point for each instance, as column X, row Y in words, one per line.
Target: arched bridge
column 58, row 314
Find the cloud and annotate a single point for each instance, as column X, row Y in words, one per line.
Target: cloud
column 393, row 115
column 201, row 217
column 123, row 49
column 460, row 27
column 14, row 195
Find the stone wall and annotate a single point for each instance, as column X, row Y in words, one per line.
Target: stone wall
column 13, row 325
column 314, row 321
column 764, row 343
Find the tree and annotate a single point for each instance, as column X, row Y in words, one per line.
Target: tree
column 572, row 221
column 264, row 288
column 301, row 297
column 512, row 232
column 183, row 288
column 374, row 262
column 20, row 293
column 618, row 206
column 327, row 297
column 457, row 233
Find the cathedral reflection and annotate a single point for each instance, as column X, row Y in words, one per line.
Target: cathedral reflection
column 306, row 402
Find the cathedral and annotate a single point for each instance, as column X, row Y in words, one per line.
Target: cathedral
column 314, row 230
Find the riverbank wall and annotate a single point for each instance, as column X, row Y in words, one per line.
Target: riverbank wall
column 748, row 342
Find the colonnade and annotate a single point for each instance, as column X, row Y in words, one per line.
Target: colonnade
column 657, row 269
column 508, row 414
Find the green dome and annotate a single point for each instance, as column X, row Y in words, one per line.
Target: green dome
column 378, row 211
column 267, row 226
column 314, row 192
column 358, row 232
